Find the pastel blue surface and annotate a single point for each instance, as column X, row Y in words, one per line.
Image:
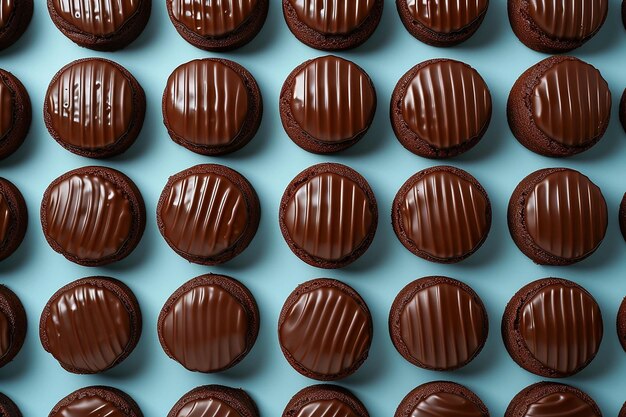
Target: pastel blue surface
column 35, row 380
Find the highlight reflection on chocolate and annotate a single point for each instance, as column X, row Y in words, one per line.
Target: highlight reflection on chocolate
column 97, row 17
column 333, row 16
column 211, row 17
column 446, row 16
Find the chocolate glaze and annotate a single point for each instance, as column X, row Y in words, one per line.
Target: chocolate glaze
column 6, row 109
column 566, row 214
column 212, row 17
column 333, row 99
column 333, row 17
column 88, row 216
column 6, row 10
column 561, row 327
column 96, row 17
column 446, row 16
column 329, row 216
column 205, row 407
column 568, row 20
column 5, row 334
column 571, row 103
column 6, row 219
column 444, row 404
column 325, row 408
column 90, row 406
column 560, row 404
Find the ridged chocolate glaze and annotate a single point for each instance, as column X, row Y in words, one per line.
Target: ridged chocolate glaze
column 8, row 407
column 13, row 324
column 333, row 16
column 15, row 108
column 560, row 405
column 96, row 401
column 324, row 400
column 212, row 17
column 97, row 17
column 6, row 219
column 6, row 109
column 5, row 334
column 441, row 399
column 207, row 407
column 446, row 16
column 88, row 407
column 325, row 408
column 214, row 401
column 569, row 20
column 7, row 8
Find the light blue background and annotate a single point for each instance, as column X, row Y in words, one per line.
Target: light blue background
column 35, row 380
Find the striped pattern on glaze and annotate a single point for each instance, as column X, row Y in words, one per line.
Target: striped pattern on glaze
column 446, row 16
column 571, row 103
column 333, row 17
column 333, row 99
column 6, row 218
column 329, row 216
column 96, row 17
column 561, row 327
column 568, row 19
column 444, row 404
column 6, row 109
column 206, row 103
column 326, row 408
column 206, row 329
column 6, row 10
column 212, row 17
column 5, row 334
column 566, row 215
column 90, row 406
column 326, row 331
column 88, row 216
column 208, row 407
column 444, row 215
column 561, row 404
column 442, row 326
column 88, row 327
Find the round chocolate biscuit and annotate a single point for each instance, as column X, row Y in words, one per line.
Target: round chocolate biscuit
column 440, row 108
column 209, row 324
column 621, row 324
column 12, row 326
column 622, row 412
column 545, row 399
column 94, row 108
column 13, row 218
column 557, row 216
column 552, row 327
column 101, row 25
column 327, row 104
column 93, row 215
column 441, row 399
column 208, row 214
column 325, row 400
column 96, row 401
column 325, row 329
column 14, row 19
column 556, row 27
column 91, row 325
column 559, row 107
column 215, row 401
column 218, row 25
column 442, row 22
column 212, row 106
column 442, row 214
column 622, row 216
column 461, row 330
column 332, row 25
column 8, row 407
column 15, row 112
column 328, row 215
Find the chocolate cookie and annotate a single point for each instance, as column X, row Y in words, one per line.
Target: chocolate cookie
column 93, row 215
column 215, row 25
column 8, row 407
column 461, row 330
column 15, row 111
column 555, row 27
column 91, row 325
column 327, row 104
column 209, row 324
column 557, row 216
column 12, row 327
column 622, row 216
column 325, row 400
column 215, row 401
column 325, row 329
column 552, row 399
column 96, row 401
column 559, row 107
column 622, row 104
column 621, row 324
column 552, row 327
column 440, row 108
column 101, row 25
column 14, row 19
column 622, row 412
column 441, row 399
column 13, row 218
column 333, row 25
column 442, row 22
column 212, row 106
column 208, row 214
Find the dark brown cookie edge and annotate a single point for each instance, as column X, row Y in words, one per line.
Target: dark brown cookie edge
column 12, row 308
column 529, row 395
column 17, row 206
column 22, row 115
column 324, row 392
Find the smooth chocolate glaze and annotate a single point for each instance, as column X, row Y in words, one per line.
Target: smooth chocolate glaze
column 7, row 7
column 446, row 16
column 329, row 216
column 445, row 215
column 6, row 219
column 326, row 408
column 206, row 102
column 96, row 17
column 560, row 404
column 90, row 104
column 562, row 327
column 212, row 18
column 333, row 17
column 447, row 104
column 566, row 214
column 571, row 103
column 88, row 216
column 444, row 404
column 326, row 331
column 90, row 406
column 6, row 108
column 5, row 334
column 568, row 20
column 333, row 99
column 207, row 407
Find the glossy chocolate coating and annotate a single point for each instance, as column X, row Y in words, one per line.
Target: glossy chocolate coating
column 204, row 407
column 5, row 335
column 324, row 408
column 89, row 406
column 96, row 17
column 7, row 7
column 333, row 17
column 446, row 16
column 212, row 18
column 560, row 404
column 6, row 109
column 572, row 20
column 6, row 219
column 333, row 99
column 445, row 404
